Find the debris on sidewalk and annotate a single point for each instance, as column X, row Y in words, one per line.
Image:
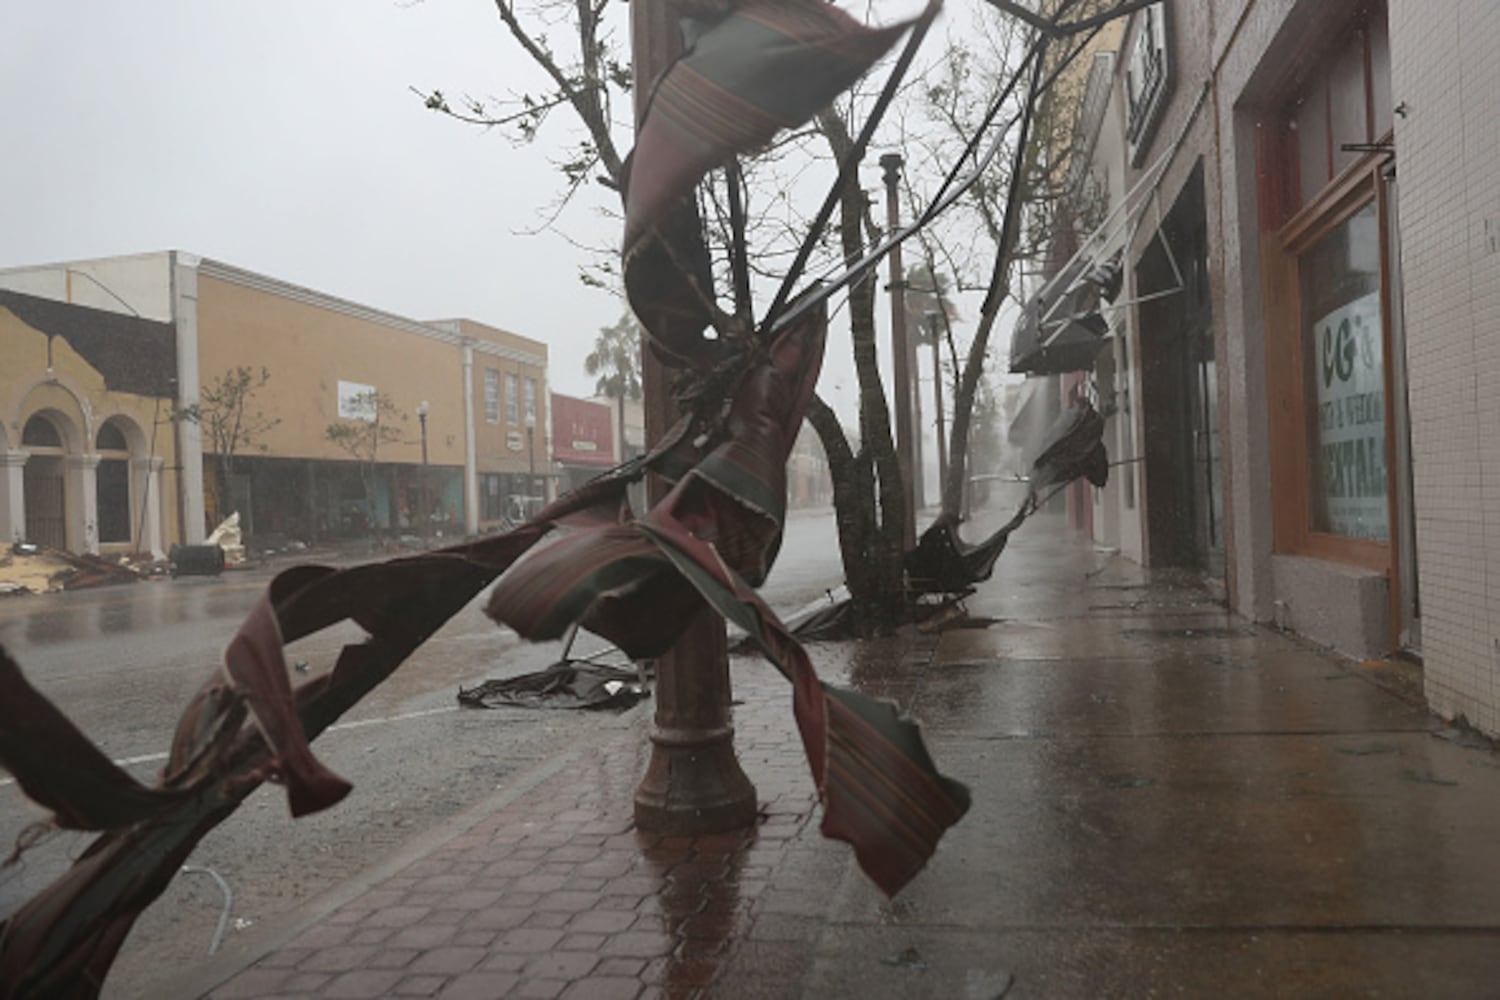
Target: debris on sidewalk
column 1461, row 734
column 942, row 562
column 571, row 684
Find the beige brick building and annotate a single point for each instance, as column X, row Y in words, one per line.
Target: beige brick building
column 457, row 402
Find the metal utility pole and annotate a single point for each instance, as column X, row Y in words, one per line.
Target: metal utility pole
column 426, row 511
column 938, row 323
column 693, row 782
column 901, row 355
column 530, row 460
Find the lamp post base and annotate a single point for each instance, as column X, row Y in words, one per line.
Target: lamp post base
column 694, row 785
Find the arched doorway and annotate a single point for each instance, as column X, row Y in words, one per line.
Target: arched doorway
column 44, row 483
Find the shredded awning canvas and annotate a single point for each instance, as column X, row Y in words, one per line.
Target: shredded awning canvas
column 761, row 67
column 751, row 70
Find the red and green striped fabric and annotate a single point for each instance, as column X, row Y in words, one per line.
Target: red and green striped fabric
column 635, row 583
column 757, row 67
column 765, row 66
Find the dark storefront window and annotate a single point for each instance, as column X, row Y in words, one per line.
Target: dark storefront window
column 491, row 498
column 113, row 479
column 114, row 500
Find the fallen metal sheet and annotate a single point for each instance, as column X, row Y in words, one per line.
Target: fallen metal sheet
column 571, row 684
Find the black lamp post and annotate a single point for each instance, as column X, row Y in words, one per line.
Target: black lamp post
column 935, row 325
column 531, row 457
column 425, row 510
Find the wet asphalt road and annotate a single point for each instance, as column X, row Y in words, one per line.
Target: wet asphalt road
column 122, row 662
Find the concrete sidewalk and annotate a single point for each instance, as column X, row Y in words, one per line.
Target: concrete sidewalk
column 1168, row 801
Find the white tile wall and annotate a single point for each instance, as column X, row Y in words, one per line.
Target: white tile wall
column 1445, row 71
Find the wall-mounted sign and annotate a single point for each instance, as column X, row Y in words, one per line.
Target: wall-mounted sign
column 514, row 441
column 1148, row 79
column 585, row 445
column 356, row 401
column 1350, row 436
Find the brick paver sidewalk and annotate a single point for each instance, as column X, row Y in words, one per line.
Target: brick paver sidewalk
column 1167, row 801
column 558, row 895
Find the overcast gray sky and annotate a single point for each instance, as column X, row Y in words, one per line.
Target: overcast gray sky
column 281, row 136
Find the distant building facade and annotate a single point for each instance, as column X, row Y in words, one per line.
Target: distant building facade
column 583, row 443
column 808, row 481
column 478, row 390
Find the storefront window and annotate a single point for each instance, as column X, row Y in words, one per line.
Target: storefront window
column 1344, row 375
column 492, row 395
column 491, row 498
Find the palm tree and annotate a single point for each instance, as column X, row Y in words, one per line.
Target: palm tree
column 616, row 362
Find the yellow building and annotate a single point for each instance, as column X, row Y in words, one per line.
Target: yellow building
column 86, row 450
column 372, row 421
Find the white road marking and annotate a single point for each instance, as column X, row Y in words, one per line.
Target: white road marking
column 152, row 758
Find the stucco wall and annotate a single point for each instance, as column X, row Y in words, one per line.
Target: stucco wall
column 1446, row 78
column 74, row 395
column 308, row 350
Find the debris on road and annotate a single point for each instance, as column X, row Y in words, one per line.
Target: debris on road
column 38, row 569
column 567, row 684
column 196, row 560
column 227, row 537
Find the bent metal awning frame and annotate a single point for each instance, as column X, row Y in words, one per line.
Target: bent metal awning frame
column 1062, row 325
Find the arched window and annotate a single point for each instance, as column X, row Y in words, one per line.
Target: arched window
column 111, row 438
column 113, row 484
column 40, row 432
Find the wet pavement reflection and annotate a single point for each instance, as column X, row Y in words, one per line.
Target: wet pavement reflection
column 29, row 624
column 1167, row 800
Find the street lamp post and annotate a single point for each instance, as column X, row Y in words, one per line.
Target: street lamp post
column 901, row 356
column 531, row 458
column 425, row 508
column 693, row 782
column 935, row 323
